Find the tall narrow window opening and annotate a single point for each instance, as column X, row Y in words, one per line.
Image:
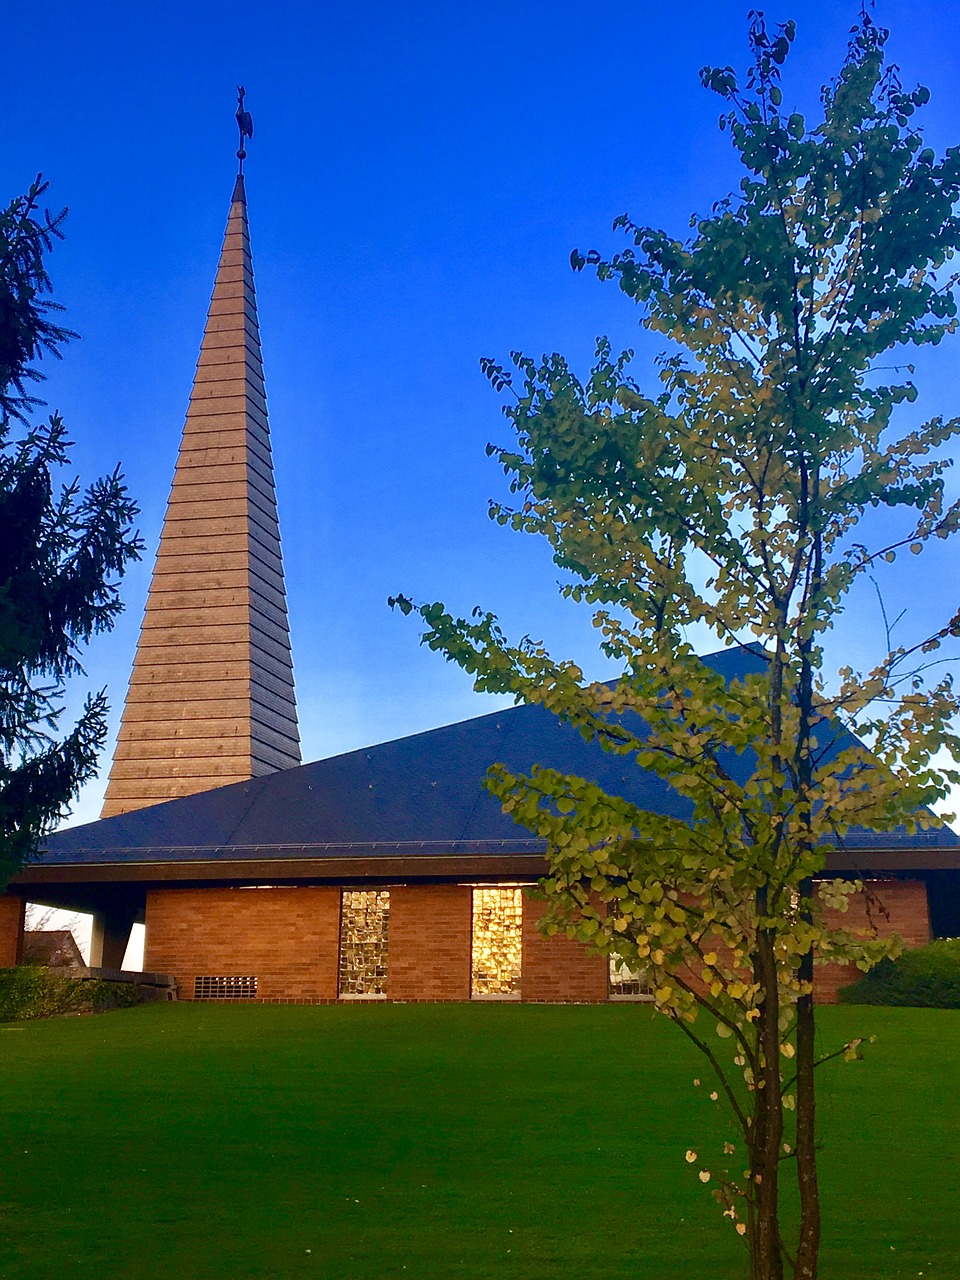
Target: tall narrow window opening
column 496, row 944
column 364, row 930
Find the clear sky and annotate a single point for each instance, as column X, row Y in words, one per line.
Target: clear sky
column 418, row 177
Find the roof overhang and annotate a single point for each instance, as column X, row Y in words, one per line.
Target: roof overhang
column 320, row 864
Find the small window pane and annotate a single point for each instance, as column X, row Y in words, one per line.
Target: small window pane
column 364, row 928
column 497, row 943
column 628, row 983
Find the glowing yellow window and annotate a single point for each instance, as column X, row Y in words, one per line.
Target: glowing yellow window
column 364, row 930
column 496, row 944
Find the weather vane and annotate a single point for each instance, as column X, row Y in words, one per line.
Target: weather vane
column 244, row 124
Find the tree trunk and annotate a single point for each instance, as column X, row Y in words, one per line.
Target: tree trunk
column 809, row 1244
column 767, row 1261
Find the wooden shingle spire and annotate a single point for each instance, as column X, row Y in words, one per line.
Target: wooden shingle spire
column 211, row 697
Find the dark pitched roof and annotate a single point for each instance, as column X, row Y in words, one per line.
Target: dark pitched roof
column 56, row 948
column 421, row 794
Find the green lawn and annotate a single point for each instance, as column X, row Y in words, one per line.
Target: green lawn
column 373, row 1143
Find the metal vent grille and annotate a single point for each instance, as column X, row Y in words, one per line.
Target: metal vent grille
column 233, row 987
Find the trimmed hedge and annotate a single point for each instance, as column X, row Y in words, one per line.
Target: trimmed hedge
column 31, row 991
column 927, row 977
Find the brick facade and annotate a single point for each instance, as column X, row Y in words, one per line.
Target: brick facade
column 430, row 942
column 888, row 906
column 556, row 969
column 11, row 930
column 287, row 938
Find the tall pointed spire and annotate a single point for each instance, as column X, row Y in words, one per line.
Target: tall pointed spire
column 211, row 697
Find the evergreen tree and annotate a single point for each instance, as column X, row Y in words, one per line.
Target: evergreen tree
column 63, row 550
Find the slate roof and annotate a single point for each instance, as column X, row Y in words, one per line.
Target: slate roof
column 420, row 795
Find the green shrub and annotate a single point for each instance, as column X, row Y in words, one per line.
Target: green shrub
column 31, row 991
column 927, row 977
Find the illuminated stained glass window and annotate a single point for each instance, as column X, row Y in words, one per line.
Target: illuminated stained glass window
column 364, row 929
column 496, row 944
column 628, row 983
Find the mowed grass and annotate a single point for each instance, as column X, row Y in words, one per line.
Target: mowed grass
column 374, row 1143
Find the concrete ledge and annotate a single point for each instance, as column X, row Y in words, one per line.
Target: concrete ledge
column 158, row 986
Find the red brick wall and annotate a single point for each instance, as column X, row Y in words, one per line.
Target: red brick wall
column 429, row 943
column 894, row 906
column 288, row 938
column 557, row 969
column 11, row 930
column 898, row 906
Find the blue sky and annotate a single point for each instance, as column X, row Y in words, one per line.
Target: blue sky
column 418, row 177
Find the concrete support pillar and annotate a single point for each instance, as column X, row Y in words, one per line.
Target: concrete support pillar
column 111, row 933
column 11, row 929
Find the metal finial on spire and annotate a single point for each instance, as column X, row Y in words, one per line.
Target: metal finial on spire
column 244, row 124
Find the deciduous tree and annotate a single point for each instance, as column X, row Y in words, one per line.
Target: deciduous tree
column 730, row 499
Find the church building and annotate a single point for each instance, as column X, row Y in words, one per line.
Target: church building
column 387, row 873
